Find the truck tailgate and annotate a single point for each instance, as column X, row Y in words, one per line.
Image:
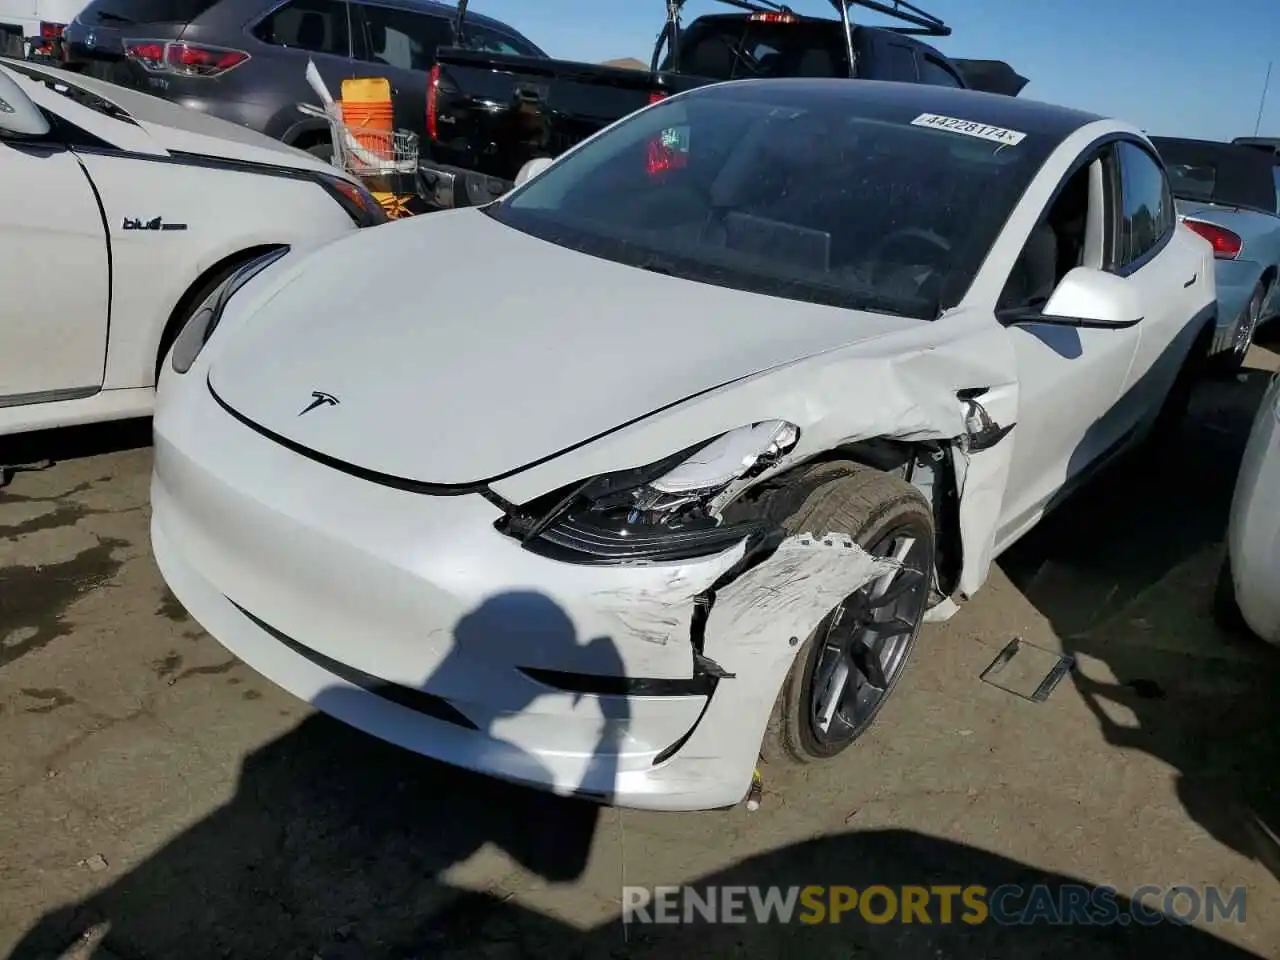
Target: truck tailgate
column 495, row 112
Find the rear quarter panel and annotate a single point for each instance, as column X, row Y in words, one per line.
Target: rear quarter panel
column 216, row 213
column 1259, row 259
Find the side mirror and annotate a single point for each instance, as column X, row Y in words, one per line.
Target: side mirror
column 1087, row 298
column 532, row 169
column 19, row 117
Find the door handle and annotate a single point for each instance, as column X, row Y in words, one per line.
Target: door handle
column 1191, row 281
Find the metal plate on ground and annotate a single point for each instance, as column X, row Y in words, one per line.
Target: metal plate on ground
column 1027, row 671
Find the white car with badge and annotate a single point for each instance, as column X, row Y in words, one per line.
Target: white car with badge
column 119, row 212
column 741, row 388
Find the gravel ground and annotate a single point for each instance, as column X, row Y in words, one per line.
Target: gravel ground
column 158, row 799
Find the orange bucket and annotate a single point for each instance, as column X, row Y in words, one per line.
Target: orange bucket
column 366, row 107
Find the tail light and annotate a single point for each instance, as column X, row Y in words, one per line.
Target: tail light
column 183, row 59
column 1226, row 245
column 50, row 38
column 773, row 18
column 656, row 96
column 433, row 102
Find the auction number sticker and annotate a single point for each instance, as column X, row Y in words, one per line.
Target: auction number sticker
column 983, row 131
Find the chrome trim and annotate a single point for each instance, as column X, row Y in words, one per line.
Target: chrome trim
column 49, row 396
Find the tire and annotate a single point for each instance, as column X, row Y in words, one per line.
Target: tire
column 1230, row 361
column 322, row 149
column 867, row 506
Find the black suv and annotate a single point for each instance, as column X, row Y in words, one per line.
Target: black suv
column 246, row 60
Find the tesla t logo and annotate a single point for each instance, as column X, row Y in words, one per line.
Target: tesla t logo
column 320, row 399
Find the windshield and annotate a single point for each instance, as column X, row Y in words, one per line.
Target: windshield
column 805, row 192
column 1221, row 173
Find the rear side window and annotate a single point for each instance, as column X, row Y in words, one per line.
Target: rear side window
column 1146, row 211
column 319, row 26
column 934, row 72
column 487, row 40
column 403, row 39
column 734, row 48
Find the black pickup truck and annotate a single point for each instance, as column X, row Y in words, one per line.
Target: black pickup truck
column 487, row 114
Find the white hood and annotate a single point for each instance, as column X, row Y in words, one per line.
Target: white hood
column 159, row 126
column 460, row 349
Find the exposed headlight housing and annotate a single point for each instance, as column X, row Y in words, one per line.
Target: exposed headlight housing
column 666, row 511
column 205, row 320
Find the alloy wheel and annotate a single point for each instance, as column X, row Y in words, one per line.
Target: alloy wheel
column 1247, row 326
column 867, row 641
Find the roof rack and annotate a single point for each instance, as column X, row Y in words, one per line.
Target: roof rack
column 918, row 22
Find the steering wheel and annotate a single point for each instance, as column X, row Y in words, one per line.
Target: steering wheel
column 876, row 257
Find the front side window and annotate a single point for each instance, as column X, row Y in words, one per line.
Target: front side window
column 403, row 39
column 319, row 26
column 819, row 196
column 1145, row 210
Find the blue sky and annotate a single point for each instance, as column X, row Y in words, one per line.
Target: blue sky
column 1170, row 66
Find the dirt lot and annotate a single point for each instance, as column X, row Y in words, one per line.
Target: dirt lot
column 158, row 799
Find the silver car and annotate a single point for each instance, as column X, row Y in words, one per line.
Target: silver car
column 1227, row 193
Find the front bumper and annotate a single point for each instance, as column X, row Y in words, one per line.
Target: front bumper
column 1253, row 537
column 411, row 618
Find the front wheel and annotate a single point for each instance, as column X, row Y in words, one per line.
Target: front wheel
column 852, row 662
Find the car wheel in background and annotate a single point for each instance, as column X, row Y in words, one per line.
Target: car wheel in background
column 323, row 149
column 1232, row 359
column 852, row 662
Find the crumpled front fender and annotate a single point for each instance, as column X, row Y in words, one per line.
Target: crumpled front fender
column 906, row 385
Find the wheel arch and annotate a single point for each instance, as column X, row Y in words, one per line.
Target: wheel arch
column 927, row 465
column 200, row 288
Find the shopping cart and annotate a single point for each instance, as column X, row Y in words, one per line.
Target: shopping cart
column 385, row 160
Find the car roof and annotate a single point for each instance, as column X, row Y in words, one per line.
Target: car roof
column 1012, row 113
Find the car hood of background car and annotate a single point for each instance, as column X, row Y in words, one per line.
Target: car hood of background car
column 458, row 349
column 141, row 123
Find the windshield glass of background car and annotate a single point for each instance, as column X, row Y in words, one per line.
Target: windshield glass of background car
column 1225, row 174
column 735, row 48
column 808, row 197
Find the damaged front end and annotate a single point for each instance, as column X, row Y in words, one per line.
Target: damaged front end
column 742, row 618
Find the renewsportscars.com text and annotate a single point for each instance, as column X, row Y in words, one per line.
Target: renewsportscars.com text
column 1008, row 905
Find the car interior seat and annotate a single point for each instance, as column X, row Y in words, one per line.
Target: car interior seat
column 815, row 62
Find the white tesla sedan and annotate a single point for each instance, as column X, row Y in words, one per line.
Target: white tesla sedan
column 664, row 461
column 119, row 212
column 1249, row 589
